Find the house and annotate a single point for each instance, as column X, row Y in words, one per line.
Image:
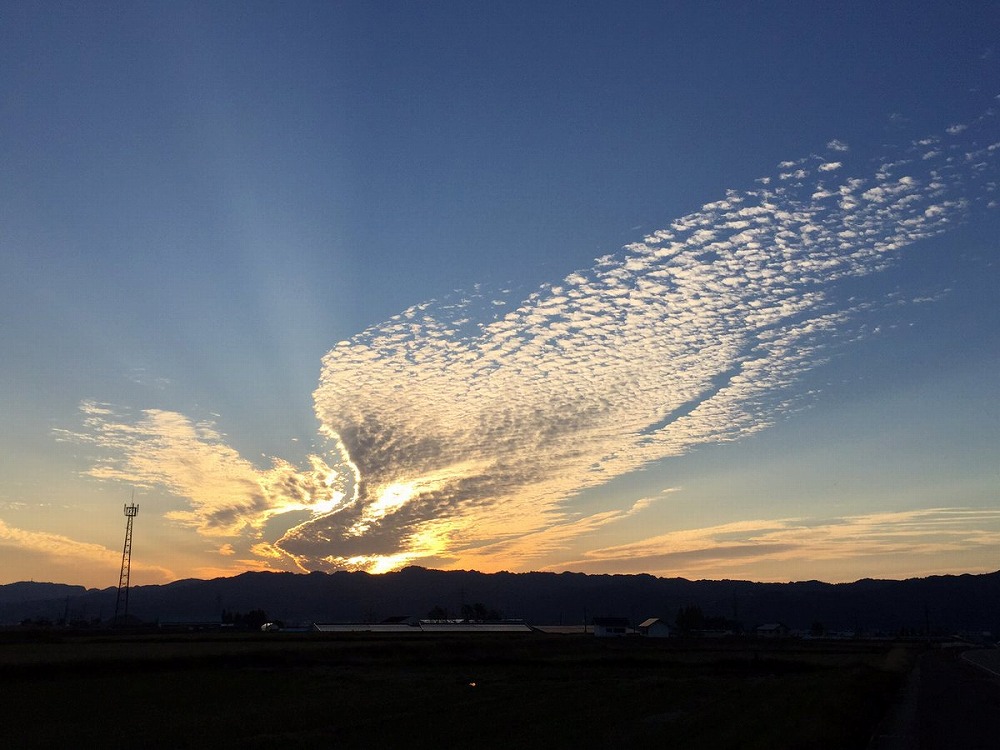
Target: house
column 654, row 627
column 611, row 627
column 772, row 630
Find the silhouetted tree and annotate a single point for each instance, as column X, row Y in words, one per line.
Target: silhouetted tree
column 437, row 613
column 480, row 611
column 690, row 618
column 252, row 620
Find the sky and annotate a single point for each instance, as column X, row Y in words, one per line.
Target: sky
column 690, row 289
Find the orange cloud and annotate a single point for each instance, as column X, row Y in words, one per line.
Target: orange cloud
column 62, row 551
column 925, row 533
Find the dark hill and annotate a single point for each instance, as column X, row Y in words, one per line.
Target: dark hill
column 945, row 603
column 29, row 591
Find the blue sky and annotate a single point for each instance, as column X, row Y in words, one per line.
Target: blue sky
column 320, row 283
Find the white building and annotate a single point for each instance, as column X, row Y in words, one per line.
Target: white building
column 654, row 627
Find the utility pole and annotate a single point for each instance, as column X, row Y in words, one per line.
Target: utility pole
column 121, row 603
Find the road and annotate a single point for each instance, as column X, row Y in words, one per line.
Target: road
column 948, row 703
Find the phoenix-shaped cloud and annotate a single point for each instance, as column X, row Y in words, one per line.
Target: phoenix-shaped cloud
column 462, row 429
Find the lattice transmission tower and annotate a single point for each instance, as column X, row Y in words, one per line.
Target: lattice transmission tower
column 121, row 603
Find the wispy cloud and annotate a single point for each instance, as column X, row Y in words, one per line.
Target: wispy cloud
column 520, row 551
column 464, row 428
column 227, row 495
column 56, row 548
column 730, row 546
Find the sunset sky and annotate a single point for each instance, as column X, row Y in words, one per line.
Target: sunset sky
column 683, row 288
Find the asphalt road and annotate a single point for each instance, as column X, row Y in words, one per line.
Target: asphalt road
column 948, row 703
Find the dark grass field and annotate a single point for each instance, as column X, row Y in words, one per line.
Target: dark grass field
column 423, row 691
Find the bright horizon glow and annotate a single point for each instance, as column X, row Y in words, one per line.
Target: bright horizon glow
column 688, row 291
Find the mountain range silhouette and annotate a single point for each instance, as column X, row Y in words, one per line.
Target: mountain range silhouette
column 940, row 604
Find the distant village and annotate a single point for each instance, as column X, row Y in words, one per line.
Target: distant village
column 478, row 618
column 689, row 623
column 599, row 627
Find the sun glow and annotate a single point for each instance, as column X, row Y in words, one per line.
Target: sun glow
column 372, row 563
column 431, row 540
column 317, row 508
column 390, row 498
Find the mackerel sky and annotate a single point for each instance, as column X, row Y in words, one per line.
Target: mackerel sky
column 690, row 289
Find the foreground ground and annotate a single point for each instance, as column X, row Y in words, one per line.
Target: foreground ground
column 951, row 699
column 532, row 690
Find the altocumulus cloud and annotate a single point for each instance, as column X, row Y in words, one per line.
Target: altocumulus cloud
column 462, row 429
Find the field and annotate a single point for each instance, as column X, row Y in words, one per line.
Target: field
column 481, row 691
